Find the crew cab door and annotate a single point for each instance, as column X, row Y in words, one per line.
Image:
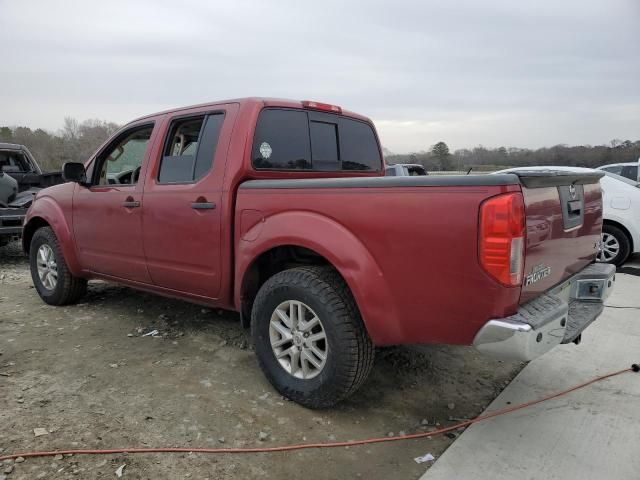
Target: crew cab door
column 182, row 224
column 107, row 214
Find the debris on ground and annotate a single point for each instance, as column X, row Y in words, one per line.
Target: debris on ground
column 425, row 458
column 120, row 470
column 38, row 432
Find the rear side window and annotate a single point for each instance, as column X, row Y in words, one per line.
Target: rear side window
column 190, row 148
column 296, row 139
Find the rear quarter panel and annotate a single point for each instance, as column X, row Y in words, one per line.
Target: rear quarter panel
column 413, row 268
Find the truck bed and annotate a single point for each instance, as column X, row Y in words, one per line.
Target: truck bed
column 421, row 235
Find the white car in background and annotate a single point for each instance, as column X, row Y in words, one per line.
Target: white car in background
column 405, row 170
column 628, row 170
column 621, row 213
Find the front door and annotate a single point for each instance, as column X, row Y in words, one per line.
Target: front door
column 182, row 202
column 107, row 215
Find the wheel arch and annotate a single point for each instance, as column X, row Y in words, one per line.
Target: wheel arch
column 625, row 230
column 45, row 212
column 29, row 229
column 316, row 240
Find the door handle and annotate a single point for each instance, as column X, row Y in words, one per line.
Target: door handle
column 130, row 203
column 203, row 205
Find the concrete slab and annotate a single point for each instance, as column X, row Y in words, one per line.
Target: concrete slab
column 589, row 434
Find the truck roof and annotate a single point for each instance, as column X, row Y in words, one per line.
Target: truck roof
column 12, row 146
column 263, row 101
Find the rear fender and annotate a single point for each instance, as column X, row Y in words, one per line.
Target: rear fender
column 339, row 246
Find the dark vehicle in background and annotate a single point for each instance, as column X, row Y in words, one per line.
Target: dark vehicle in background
column 405, row 170
column 20, row 179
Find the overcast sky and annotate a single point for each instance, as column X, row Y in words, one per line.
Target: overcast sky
column 491, row 72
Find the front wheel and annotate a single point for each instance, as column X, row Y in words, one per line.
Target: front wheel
column 310, row 340
column 53, row 281
column 615, row 247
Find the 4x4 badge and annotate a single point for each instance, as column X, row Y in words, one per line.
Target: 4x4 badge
column 572, row 191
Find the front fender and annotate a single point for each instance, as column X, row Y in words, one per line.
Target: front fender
column 45, row 209
column 338, row 246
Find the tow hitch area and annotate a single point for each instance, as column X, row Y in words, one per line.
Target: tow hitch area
column 558, row 316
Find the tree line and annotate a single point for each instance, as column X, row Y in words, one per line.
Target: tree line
column 77, row 141
column 438, row 157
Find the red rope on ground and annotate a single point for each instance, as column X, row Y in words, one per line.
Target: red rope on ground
column 286, row 448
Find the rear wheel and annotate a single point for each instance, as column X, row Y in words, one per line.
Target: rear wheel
column 616, row 246
column 53, row 281
column 310, row 340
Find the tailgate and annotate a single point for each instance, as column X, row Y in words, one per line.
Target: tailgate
column 563, row 224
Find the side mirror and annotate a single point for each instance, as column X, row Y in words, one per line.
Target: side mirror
column 74, row 172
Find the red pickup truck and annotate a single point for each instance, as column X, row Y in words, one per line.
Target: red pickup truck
column 280, row 210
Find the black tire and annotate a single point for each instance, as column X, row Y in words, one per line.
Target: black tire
column 68, row 289
column 623, row 240
column 349, row 349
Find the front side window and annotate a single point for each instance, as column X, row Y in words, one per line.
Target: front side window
column 288, row 139
column 120, row 164
column 190, row 148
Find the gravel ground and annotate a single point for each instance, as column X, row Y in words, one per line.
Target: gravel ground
column 88, row 377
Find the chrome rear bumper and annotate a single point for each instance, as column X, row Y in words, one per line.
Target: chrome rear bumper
column 558, row 316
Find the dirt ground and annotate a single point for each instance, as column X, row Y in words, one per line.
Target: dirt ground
column 87, row 375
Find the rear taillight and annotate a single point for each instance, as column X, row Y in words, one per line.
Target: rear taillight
column 502, row 231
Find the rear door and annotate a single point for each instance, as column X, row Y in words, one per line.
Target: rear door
column 563, row 222
column 182, row 202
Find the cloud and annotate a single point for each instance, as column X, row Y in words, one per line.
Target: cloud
column 495, row 72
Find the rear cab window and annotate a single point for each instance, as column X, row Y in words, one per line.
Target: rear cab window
column 13, row 162
column 290, row 139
